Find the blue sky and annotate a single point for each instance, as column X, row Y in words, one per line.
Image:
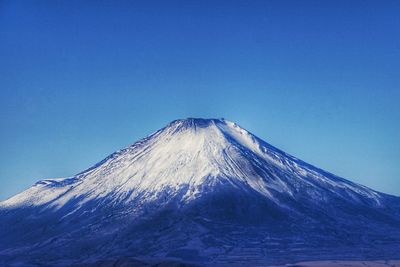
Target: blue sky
column 81, row 79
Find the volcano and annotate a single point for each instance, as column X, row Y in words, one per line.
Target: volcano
column 202, row 191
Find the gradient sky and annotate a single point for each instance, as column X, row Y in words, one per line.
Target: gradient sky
column 81, row 79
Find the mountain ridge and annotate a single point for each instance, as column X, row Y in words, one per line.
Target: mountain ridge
column 204, row 191
column 216, row 129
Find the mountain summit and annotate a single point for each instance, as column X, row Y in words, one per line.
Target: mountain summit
column 204, row 191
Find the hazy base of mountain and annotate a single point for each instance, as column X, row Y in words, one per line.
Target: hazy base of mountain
column 127, row 262
column 131, row 262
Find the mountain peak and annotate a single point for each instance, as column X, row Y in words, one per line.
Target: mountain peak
column 188, row 158
column 221, row 129
column 194, row 123
column 199, row 121
column 189, row 179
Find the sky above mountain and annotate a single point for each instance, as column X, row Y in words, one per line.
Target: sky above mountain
column 79, row 80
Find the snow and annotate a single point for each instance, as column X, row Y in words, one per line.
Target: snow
column 191, row 154
column 205, row 190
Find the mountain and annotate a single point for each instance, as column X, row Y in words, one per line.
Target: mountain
column 204, row 191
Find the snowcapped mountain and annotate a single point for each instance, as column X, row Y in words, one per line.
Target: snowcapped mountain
column 204, row 191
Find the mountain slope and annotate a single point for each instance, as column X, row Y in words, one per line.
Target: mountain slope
column 202, row 190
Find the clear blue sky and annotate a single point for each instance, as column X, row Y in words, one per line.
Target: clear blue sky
column 81, row 79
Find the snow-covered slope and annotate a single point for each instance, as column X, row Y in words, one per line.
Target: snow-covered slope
column 194, row 188
column 190, row 154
